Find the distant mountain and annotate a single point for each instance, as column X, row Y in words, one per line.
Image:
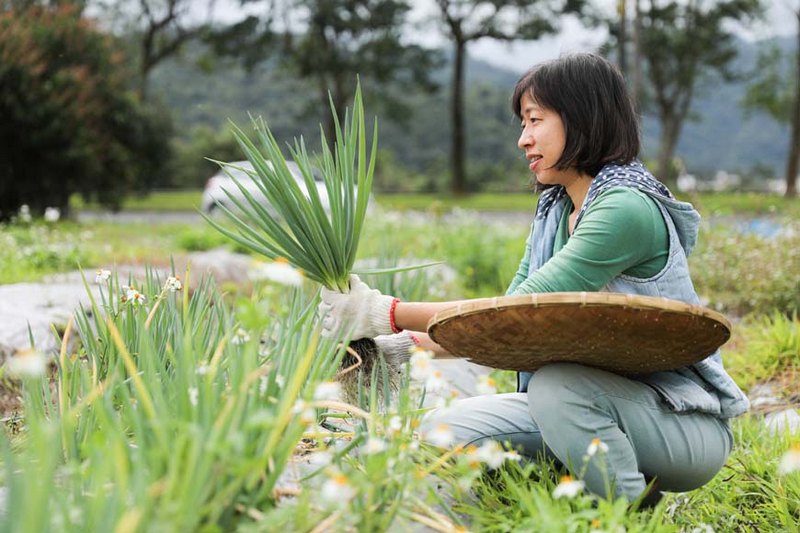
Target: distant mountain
column 723, row 136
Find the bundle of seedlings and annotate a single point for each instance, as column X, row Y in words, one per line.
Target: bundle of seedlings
column 297, row 227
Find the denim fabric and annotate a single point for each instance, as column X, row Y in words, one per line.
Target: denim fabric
column 706, row 386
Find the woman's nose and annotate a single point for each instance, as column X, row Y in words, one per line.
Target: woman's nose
column 524, row 140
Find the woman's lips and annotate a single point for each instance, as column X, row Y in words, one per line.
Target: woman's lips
column 534, row 163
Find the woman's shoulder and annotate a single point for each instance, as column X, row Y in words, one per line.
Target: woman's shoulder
column 626, row 199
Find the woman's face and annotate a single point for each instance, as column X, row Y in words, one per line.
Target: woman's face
column 543, row 139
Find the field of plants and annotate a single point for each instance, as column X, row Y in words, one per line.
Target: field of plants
column 178, row 405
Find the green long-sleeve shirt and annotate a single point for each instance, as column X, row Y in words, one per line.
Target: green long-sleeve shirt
column 622, row 232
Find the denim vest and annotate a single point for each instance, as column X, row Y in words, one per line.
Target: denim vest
column 705, row 386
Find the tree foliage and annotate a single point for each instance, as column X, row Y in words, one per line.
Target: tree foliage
column 156, row 29
column 70, row 124
column 776, row 91
column 681, row 42
column 465, row 21
column 330, row 42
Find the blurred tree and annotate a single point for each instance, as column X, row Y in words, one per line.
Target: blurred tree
column 157, row 28
column 625, row 37
column 69, row 122
column 189, row 167
column 681, row 42
column 329, row 42
column 776, row 90
column 466, row 21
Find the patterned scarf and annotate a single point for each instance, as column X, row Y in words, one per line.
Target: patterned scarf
column 632, row 175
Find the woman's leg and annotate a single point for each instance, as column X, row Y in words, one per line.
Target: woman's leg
column 499, row 417
column 573, row 405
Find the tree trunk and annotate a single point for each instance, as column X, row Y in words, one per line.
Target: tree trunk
column 794, row 146
column 622, row 39
column 636, row 85
column 458, row 177
column 670, row 131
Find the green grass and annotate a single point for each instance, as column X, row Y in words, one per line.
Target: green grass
column 745, row 204
column 709, row 204
column 477, row 202
column 162, row 201
column 105, row 466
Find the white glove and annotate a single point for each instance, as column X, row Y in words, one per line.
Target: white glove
column 396, row 349
column 361, row 313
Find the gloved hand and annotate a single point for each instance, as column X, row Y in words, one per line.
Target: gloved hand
column 363, row 312
column 396, row 349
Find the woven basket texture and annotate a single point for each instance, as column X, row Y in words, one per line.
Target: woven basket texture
column 621, row 333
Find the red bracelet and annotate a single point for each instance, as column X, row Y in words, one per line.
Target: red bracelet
column 415, row 339
column 392, row 323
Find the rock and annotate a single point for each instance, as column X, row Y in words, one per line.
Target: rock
column 37, row 306
column 40, row 306
column 786, row 421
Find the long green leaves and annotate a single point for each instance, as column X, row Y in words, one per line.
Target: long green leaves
column 297, row 226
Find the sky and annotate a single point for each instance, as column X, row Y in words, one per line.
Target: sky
column 519, row 56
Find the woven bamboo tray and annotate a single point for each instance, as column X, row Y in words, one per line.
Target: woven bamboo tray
column 621, row 333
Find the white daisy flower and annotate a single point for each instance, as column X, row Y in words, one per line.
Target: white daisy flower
column 441, row 436
column 596, row 446
column 328, row 390
column 24, row 213
column 395, row 425
column 512, row 455
column 52, row 214
column 337, row 490
column 375, row 445
column 486, row 385
column 491, row 454
column 173, row 283
column 421, row 366
column 790, row 462
column 568, row 488
column 240, row 337
column 193, row 393
column 102, row 275
column 279, row 271
column 133, row 296
column 436, row 382
column 27, row 364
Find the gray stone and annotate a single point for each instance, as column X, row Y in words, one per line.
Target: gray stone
column 37, row 307
column 33, row 309
column 786, row 421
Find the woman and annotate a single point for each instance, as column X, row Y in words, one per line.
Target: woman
column 602, row 223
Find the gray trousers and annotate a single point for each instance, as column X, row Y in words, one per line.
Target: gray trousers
column 567, row 406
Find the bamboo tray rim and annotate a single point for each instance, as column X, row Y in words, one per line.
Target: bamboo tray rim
column 575, row 299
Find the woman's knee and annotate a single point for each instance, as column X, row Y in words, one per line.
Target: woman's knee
column 556, row 384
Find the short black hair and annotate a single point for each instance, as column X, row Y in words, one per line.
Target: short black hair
column 590, row 95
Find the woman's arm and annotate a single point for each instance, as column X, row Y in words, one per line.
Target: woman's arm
column 426, row 343
column 415, row 316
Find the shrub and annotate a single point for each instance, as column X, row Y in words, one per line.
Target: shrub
column 69, row 124
column 741, row 273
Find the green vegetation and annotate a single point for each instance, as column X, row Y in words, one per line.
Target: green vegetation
column 200, row 369
column 62, row 83
column 155, row 201
column 745, row 204
column 740, row 273
column 190, row 368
